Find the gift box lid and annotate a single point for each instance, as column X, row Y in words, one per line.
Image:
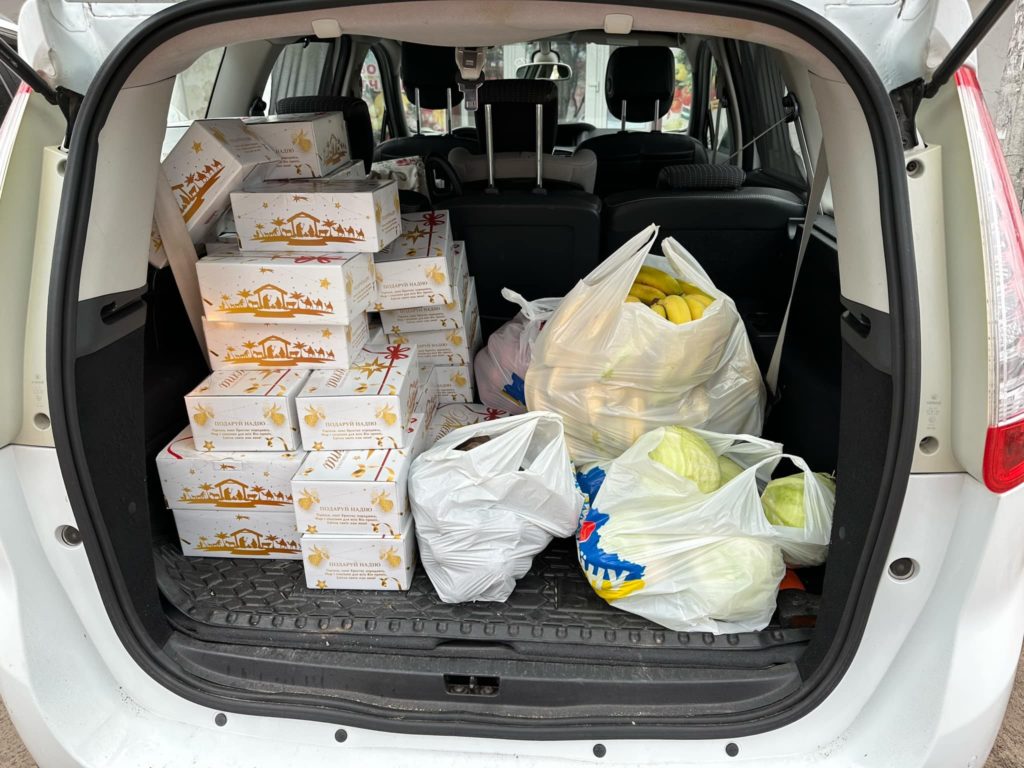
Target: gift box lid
column 245, row 383
column 325, row 185
column 234, row 255
column 372, row 465
column 183, row 448
column 424, row 234
column 376, row 371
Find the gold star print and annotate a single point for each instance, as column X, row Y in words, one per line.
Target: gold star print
column 311, row 529
column 414, row 234
column 208, row 445
column 265, row 270
column 337, row 205
column 326, row 333
column 192, row 471
column 321, row 584
column 266, row 205
column 197, row 147
column 266, row 473
column 318, row 446
column 325, row 283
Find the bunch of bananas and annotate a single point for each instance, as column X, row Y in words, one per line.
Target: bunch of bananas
column 675, row 300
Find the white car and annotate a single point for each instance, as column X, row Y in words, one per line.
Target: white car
column 901, row 369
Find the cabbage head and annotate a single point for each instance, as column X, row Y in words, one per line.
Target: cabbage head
column 783, row 499
column 736, row 579
column 728, row 469
column 689, row 455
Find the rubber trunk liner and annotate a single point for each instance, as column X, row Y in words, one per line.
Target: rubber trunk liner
column 553, row 603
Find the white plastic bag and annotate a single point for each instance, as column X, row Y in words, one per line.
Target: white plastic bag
column 482, row 514
column 653, row 544
column 616, row 370
column 501, row 365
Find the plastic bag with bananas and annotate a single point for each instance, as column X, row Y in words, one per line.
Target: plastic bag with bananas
column 644, row 341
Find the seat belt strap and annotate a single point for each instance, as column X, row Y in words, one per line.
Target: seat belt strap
column 818, row 181
column 181, row 254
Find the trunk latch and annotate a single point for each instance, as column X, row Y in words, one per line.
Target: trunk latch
column 471, row 685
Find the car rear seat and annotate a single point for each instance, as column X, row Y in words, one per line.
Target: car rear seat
column 642, row 79
column 536, row 244
column 740, row 235
column 433, row 71
column 515, row 140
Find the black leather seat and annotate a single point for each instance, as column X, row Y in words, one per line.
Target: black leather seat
column 740, row 235
column 536, row 244
column 642, row 77
column 433, row 71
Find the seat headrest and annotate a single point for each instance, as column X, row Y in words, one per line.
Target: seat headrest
column 513, row 104
column 704, row 176
column 640, row 76
column 432, row 69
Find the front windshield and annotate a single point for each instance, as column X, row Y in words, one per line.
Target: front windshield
column 580, row 98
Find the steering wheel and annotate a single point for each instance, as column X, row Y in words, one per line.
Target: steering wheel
column 443, row 181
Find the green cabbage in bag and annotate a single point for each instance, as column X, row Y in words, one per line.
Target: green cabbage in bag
column 688, row 455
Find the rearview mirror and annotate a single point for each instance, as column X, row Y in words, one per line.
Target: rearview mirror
column 544, row 71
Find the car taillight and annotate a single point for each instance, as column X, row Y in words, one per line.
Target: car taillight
column 1002, row 233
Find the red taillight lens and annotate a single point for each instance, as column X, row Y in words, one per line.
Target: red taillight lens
column 1002, row 230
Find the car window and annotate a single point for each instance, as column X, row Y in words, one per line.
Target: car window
column 373, row 90
column 580, row 98
column 720, row 140
column 194, row 87
column 298, row 71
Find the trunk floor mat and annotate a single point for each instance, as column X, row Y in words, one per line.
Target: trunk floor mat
column 552, row 604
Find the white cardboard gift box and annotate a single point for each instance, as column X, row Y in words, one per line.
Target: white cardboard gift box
column 193, row 478
column 284, row 345
column 448, row 346
column 247, row 534
column 355, row 492
column 314, row 288
column 366, row 406
column 309, row 145
column 334, row 561
column 325, row 215
column 454, row 383
column 418, row 268
column 435, row 316
column 450, row 417
column 246, row 410
column 211, row 160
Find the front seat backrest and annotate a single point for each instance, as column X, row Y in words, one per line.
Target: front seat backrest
column 355, row 111
column 639, row 81
column 432, row 70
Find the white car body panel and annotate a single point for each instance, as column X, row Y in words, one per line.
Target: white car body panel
column 929, row 689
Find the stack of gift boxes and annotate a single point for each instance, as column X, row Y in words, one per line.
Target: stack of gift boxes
column 281, row 461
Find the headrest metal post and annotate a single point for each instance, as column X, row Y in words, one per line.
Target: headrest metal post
column 418, row 125
column 448, row 111
column 656, row 125
column 489, row 136
column 622, row 119
column 539, row 149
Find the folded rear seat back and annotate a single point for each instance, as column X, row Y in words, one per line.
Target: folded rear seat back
column 538, row 242
column 639, row 86
column 740, row 235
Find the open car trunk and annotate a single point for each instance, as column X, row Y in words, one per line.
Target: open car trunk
column 555, row 660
